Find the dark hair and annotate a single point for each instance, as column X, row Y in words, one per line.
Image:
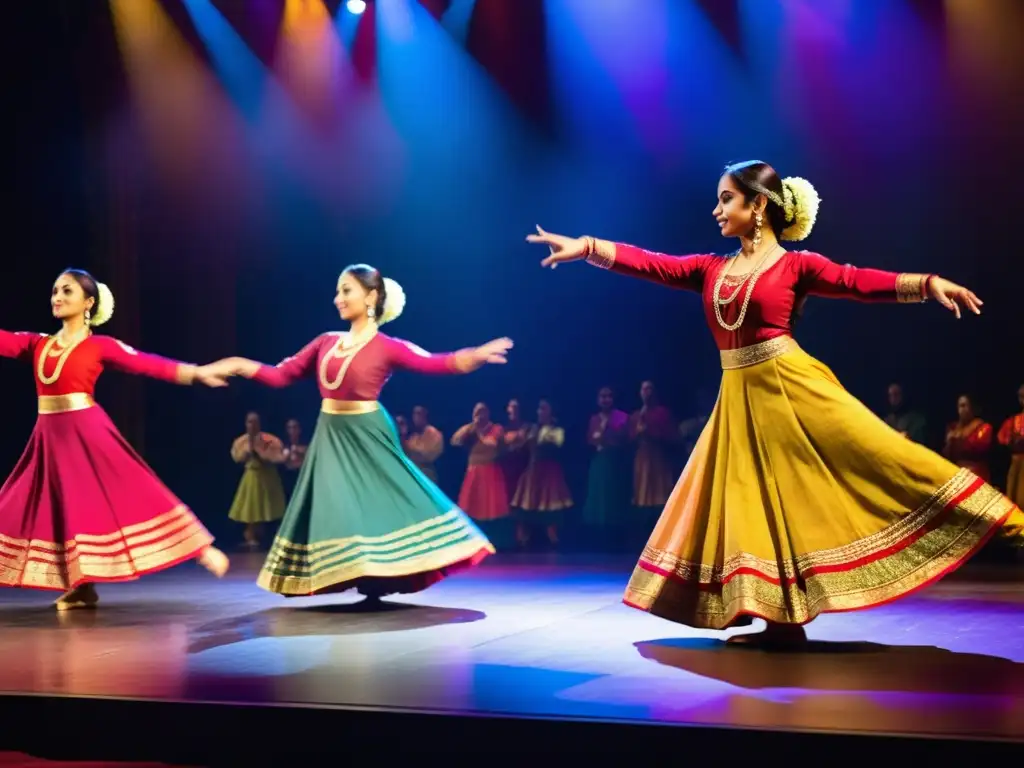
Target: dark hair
column 754, row 177
column 371, row 280
column 87, row 283
column 975, row 407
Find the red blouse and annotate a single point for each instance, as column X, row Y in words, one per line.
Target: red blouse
column 360, row 371
column 1011, row 434
column 78, row 370
column 779, row 290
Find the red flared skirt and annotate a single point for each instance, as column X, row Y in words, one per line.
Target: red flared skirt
column 483, row 495
column 82, row 506
column 543, row 488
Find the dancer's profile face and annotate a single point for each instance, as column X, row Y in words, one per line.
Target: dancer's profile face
column 352, row 300
column 734, row 215
column 67, row 298
column 512, row 410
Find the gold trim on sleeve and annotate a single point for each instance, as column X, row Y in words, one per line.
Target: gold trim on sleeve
column 185, row 374
column 602, row 255
column 73, row 401
column 910, row 287
column 464, row 361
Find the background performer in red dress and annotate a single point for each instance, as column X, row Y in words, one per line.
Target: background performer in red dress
column 797, row 500
column 81, row 506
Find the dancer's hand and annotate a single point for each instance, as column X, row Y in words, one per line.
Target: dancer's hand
column 953, row 296
column 493, row 352
column 210, row 377
column 563, row 249
column 234, row 366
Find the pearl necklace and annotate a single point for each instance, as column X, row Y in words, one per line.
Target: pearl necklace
column 750, row 278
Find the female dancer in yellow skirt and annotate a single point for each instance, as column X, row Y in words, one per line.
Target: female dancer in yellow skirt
column 797, row 500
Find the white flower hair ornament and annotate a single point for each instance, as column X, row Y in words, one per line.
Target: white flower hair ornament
column 104, row 305
column 394, row 301
column 800, row 203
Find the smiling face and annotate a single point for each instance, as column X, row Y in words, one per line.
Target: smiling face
column 352, row 300
column 734, row 215
column 68, row 299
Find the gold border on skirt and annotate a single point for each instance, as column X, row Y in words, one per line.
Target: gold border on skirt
column 348, row 407
column 757, row 353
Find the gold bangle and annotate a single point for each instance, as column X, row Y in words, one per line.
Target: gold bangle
column 186, row 374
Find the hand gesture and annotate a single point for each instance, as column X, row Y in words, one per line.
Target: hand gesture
column 563, row 249
column 210, row 376
column 493, row 352
column 953, row 296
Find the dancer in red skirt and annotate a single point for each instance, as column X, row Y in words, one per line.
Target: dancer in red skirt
column 81, row 506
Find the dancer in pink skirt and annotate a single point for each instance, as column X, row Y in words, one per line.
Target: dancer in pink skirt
column 81, row 506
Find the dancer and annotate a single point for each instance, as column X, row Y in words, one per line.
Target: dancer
column 362, row 515
column 81, row 506
column 797, row 500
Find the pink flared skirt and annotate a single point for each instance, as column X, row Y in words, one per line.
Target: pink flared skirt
column 82, row 506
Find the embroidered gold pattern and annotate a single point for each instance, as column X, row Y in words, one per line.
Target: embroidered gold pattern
column 134, row 550
column 299, row 569
column 868, row 572
column 910, row 288
column 603, row 254
column 348, row 407
column 73, row 401
column 757, row 353
column 62, row 358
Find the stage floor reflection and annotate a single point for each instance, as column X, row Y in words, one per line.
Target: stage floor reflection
column 530, row 636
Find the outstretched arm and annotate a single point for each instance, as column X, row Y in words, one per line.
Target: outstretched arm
column 823, row 277
column 122, row 357
column 287, row 372
column 19, row 345
column 685, row 272
column 404, row 354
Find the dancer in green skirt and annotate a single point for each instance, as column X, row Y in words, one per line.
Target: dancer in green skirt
column 362, row 515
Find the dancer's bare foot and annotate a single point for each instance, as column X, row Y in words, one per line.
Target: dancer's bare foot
column 215, row 561
column 774, row 637
column 82, row 596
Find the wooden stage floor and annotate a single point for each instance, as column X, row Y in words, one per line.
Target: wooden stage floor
column 522, row 637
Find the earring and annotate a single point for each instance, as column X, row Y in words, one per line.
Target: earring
column 371, row 312
column 758, row 220
column 88, row 317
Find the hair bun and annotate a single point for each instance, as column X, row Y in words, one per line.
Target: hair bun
column 104, row 305
column 800, row 203
column 394, row 301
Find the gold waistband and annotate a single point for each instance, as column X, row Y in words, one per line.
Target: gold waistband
column 348, row 407
column 757, row 353
column 74, row 401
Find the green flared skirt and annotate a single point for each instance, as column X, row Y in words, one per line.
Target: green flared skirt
column 260, row 495
column 363, row 516
column 609, row 484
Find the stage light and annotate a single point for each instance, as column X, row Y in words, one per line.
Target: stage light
column 355, row 6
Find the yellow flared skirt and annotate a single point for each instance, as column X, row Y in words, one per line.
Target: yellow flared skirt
column 797, row 501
